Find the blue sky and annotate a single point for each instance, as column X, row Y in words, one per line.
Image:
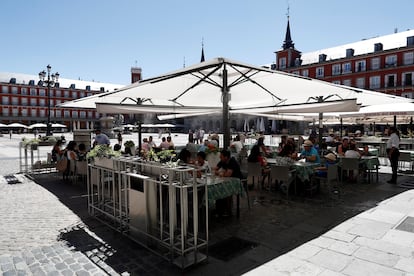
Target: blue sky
column 99, row 40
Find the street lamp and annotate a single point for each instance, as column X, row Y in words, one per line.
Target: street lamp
column 49, row 81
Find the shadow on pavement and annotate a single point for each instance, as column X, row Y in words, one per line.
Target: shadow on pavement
column 275, row 227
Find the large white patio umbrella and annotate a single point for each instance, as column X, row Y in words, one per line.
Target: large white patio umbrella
column 17, row 125
column 37, row 125
column 227, row 86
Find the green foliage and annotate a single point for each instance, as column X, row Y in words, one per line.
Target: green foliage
column 102, row 151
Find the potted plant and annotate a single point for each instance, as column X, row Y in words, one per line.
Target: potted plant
column 131, row 145
column 32, row 143
column 102, row 155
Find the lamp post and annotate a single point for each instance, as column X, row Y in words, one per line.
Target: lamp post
column 49, row 80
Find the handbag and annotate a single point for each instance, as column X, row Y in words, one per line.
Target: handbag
column 62, row 164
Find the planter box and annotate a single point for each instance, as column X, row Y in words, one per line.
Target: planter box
column 104, row 162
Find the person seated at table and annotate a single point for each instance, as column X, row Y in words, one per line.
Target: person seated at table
column 365, row 151
column 164, row 144
column 184, row 157
column 352, row 152
column 288, row 152
column 82, row 152
column 256, row 156
column 263, row 149
column 191, row 147
column 283, row 142
column 309, row 153
column 151, row 143
column 343, row 147
column 202, row 164
column 330, row 159
column 227, row 167
column 57, row 152
column 236, row 145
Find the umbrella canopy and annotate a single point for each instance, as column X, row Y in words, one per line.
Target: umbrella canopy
column 227, row 86
column 383, row 113
column 17, row 125
column 37, row 125
column 3, row 125
column 58, row 125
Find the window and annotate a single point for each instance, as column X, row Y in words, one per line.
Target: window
column 5, row 89
column 5, row 100
column 374, row 82
column 14, row 90
column 58, row 114
column 42, row 113
column 305, row 73
column 320, row 72
column 294, row 72
column 33, row 102
column 346, row 68
column 375, row 63
column 58, row 102
column 33, row 92
column 15, row 101
column 15, row 111
column 74, row 94
column 360, row 82
column 336, row 69
column 408, row 78
column 33, row 112
column 82, row 114
column 391, row 61
column 282, row 63
column 408, row 58
column 390, row 80
column 336, row 82
column 66, row 114
column 24, row 101
column 347, row 82
column 24, row 112
column 42, row 92
column 82, row 93
column 74, row 114
column 42, row 102
column 66, row 94
column 90, row 114
column 23, row 91
column 360, row 66
column 5, row 112
column 58, row 93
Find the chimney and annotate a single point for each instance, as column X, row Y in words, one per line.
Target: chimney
column 135, row 74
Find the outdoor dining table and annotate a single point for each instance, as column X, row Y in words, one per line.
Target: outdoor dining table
column 367, row 163
column 304, row 170
column 222, row 187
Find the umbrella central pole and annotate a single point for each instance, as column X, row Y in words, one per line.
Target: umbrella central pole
column 225, row 98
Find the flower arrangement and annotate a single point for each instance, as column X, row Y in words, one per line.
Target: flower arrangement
column 166, row 155
column 211, row 148
column 102, row 151
column 129, row 144
column 29, row 142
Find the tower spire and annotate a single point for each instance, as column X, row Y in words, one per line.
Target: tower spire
column 202, row 50
column 288, row 43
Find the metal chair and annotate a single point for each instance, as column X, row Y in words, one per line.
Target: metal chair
column 331, row 176
column 245, row 186
column 285, row 174
column 405, row 157
column 254, row 171
column 349, row 164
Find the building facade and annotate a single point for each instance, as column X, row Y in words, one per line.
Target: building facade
column 25, row 99
column 384, row 64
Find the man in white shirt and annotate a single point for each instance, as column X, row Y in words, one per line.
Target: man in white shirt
column 393, row 152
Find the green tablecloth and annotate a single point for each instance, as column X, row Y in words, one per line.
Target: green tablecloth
column 223, row 187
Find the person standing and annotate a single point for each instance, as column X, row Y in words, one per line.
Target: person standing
column 393, row 152
column 119, row 138
column 101, row 138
